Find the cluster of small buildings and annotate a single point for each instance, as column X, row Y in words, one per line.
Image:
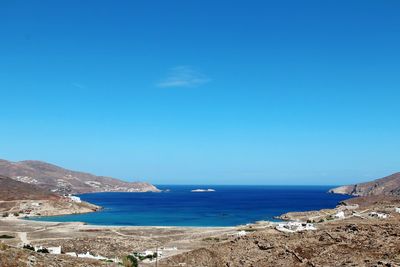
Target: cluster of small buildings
column 292, row 227
column 147, row 255
column 58, row 250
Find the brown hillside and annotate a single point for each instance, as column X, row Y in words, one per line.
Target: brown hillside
column 14, row 190
column 389, row 185
column 60, row 180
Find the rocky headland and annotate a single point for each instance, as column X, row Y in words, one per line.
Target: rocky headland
column 63, row 181
column 361, row 231
column 389, row 185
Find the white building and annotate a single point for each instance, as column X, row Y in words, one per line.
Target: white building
column 54, row 250
column 292, row 227
column 90, row 256
column 149, row 253
column 397, row 210
column 75, row 198
column 240, row 233
column 378, row 215
column 339, row 215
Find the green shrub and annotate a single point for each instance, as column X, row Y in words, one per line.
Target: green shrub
column 43, row 250
column 3, row 246
column 6, row 236
column 27, row 246
column 130, row 261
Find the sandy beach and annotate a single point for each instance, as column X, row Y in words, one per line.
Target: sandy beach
column 110, row 241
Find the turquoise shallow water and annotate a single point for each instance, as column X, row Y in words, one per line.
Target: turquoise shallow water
column 227, row 206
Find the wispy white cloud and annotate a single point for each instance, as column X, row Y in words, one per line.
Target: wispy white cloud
column 78, row 85
column 183, row 76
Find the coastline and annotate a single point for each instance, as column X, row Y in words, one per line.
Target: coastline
column 216, row 210
column 81, row 237
column 178, row 243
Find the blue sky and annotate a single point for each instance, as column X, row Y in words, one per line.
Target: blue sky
column 203, row 92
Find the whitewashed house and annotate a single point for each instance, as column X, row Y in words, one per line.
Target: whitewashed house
column 339, row 215
column 75, row 198
column 240, row 233
column 378, row 215
column 54, row 250
column 292, row 227
column 90, row 256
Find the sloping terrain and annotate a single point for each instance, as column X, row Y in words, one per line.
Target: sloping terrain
column 357, row 240
column 389, row 185
column 14, row 190
column 14, row 257
column 60, row 180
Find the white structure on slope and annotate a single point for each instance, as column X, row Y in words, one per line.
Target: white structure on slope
column 339, row 215
column 90, row 256
column 378, row 215
column 292, row 227
column 75, row 198
column 240, row 233
column 52, row 250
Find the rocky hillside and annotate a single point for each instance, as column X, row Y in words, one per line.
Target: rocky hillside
column 359, row 240
column 60, row 180
column 14, row 257
column 14, row 190
column 389, row 185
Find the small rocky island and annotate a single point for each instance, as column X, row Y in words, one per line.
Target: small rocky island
column 202, row 190
column 361, row 231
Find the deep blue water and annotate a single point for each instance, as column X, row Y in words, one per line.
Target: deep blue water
column 228, row 206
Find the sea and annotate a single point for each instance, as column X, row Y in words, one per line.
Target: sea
column 177, row 205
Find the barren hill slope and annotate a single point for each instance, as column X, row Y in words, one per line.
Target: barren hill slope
column 14, row 190
column 389, row 185
column 60, row 180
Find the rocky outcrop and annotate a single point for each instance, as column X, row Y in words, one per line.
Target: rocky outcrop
column 59, row 180
column 354, row 241
column 389, row 185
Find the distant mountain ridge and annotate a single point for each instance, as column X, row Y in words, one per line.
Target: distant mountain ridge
column 389, row 185
column 62, row 181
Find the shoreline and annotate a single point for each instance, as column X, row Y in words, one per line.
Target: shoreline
column 199, row 244
column 279, row 218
